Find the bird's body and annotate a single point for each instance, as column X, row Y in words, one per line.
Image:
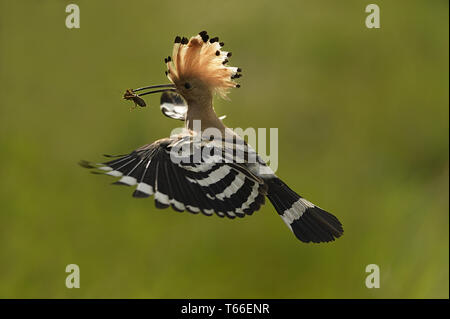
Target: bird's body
column 208, row 168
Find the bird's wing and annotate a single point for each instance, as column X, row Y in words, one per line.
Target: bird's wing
column 171, row 173
column 174, row 106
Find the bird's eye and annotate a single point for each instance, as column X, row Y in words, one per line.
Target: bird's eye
column 187, row 85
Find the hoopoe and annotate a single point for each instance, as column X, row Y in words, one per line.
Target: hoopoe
column 220, row 181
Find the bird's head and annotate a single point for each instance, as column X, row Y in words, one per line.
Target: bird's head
column 197, row 69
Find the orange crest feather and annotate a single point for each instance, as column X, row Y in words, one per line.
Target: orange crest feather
column 202, row 58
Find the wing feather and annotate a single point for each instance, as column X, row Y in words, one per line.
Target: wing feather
column 211, row 186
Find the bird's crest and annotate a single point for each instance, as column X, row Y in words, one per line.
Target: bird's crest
column 201, row 57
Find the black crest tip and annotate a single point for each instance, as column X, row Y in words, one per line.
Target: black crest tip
column 205, row 38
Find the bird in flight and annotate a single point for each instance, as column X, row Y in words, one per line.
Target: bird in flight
column 214, row 173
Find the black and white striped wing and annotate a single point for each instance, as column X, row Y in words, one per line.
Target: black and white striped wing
column 173, row 106
column 209, row 186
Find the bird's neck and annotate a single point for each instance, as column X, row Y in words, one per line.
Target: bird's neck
column 201, row 115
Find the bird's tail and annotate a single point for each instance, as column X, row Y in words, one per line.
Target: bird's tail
column 308, row 222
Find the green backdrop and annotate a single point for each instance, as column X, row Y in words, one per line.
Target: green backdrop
column 363, row 124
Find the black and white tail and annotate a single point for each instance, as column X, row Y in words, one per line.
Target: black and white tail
column 308, row 222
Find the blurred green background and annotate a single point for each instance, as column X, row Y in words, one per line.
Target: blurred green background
column 363, row 122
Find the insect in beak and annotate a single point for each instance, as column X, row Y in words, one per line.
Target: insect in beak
column 130, row 94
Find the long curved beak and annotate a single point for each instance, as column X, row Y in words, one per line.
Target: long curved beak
column 131, row 94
